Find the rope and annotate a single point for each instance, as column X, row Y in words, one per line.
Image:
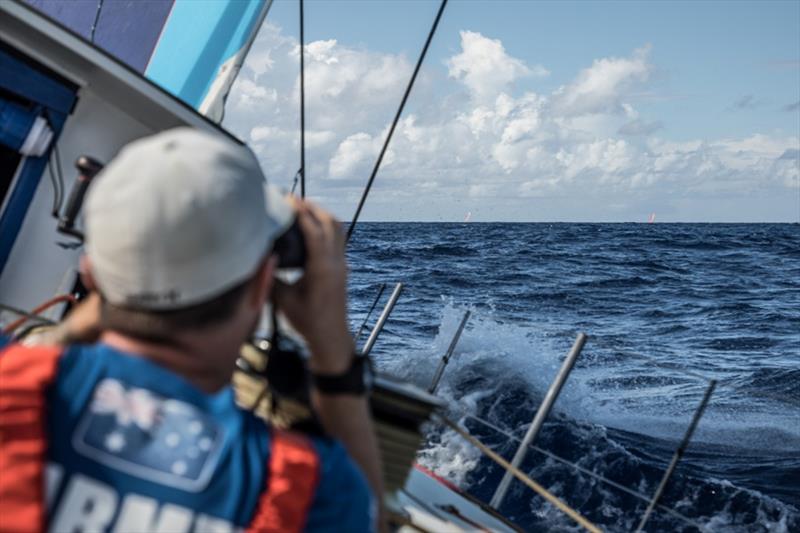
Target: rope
column 395, row 121
column 61, row 298
column 516, row 472
column 21, row 312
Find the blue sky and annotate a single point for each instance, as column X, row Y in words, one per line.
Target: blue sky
column 703, row 82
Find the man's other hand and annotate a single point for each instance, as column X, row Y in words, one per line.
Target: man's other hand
column 317, row 305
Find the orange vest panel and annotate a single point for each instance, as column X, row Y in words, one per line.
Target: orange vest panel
column 294, row 471
column 25, row 374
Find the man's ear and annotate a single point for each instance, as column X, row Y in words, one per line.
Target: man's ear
column 85, row 270
column 264, row 281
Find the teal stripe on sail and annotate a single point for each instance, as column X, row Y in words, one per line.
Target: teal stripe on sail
column 199, row 36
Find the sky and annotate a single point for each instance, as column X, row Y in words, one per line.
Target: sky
column 534, row 111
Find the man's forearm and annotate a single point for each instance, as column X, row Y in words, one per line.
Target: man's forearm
column 347, row 419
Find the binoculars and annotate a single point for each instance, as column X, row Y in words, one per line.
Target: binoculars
column 291, row 248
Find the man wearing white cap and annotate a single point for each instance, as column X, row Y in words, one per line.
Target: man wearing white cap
column 139, row 431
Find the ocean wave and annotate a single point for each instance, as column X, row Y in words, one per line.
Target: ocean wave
column 711, row 300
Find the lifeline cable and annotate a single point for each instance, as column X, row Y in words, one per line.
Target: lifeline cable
column 395, row 121
column 586, row 471
column 302, row 105
column 369, row 313
column 516, row 472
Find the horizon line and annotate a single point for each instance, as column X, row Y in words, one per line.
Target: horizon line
column 573, row 222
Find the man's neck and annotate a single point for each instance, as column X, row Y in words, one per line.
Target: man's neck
column 206, row 361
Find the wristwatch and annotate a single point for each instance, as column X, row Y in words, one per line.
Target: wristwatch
column 356, row 380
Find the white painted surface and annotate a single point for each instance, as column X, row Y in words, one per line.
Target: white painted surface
column 115, row 106
column 425, row 511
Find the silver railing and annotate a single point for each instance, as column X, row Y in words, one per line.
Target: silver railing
column 387, row 310
column 527, row 443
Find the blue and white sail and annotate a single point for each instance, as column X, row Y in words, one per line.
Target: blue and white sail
column 192, row 49
column 202, row 48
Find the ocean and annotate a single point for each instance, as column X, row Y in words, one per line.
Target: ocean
column 665, row 306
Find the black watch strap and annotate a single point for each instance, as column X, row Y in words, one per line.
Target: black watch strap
column 356, row 380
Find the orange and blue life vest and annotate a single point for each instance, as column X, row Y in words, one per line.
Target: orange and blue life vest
column 92, row 439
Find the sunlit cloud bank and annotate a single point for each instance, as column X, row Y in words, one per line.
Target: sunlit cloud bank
column 476, row 134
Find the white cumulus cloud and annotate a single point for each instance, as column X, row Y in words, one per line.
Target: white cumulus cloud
column 485, row 67
column 602, row 87
column 501, row 145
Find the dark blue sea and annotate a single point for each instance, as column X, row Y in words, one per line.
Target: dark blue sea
column 665, row 306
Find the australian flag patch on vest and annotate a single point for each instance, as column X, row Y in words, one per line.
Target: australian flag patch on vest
column 142, row 434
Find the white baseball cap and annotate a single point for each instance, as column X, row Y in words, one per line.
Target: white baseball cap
column 178, row 218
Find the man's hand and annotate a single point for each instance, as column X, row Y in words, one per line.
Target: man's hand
column 317, row 305
column 317, row 308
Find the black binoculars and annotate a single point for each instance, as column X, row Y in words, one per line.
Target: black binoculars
column 291, row 247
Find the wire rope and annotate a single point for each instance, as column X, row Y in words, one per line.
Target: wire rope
column 96, row 20
column 302, row 104
column 516, row 472
column 599, row 477
column 395, row 121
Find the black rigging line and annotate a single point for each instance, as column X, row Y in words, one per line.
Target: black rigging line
column 302, row 105
column 294, row 181
column 369, row 313
column 395, row 121
column 96, row 19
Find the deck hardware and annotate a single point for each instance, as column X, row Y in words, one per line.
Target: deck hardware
column 88, row 168
column 541, row 415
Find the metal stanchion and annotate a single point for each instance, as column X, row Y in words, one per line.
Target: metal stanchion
column 678, row 453
column 387, row 310
column 446, row 357
column 538, row 420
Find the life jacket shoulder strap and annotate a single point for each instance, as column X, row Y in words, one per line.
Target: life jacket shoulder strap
column 25, row 374
column 291, row 482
